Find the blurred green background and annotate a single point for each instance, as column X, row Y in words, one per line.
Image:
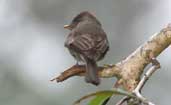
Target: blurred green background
column 32, row 50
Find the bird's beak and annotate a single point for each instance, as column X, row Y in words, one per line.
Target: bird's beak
column 67, row 27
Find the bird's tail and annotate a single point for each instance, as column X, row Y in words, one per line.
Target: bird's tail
column 92, row 72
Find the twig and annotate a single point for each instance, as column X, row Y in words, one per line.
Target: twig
column 148, row 74
column 73, row 71
column 122, row 100
column 79, row 70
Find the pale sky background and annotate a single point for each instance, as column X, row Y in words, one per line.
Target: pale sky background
column 32, row 47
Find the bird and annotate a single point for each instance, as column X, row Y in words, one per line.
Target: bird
column 88, row 43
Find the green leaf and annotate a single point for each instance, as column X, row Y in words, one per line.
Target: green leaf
column 99, row 100
column 102, row 96
column 99, row 93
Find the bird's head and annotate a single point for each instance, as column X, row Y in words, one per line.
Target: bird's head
column 82, row 17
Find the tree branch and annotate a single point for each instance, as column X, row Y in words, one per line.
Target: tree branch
column 129, row 70
column 148, row 74
column 79, row 70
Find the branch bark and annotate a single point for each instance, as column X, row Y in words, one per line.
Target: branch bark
column 148, row 74
column 129, row 70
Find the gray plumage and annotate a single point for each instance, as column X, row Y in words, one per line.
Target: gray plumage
column 87, row 42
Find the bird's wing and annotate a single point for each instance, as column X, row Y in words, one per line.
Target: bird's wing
column 83, row 43
column 91, row 46
column 102, row 45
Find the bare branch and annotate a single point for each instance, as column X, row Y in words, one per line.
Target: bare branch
column 156, row 66
column 148, row 74
column 121, row 102
column 79, row 70
column 129, row 70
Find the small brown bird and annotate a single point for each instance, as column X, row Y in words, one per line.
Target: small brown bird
column 87, row 42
